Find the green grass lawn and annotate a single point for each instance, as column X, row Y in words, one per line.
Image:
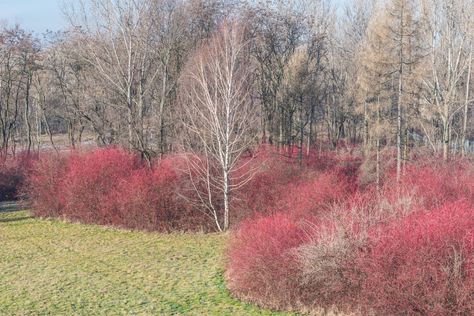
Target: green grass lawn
column 51, row 267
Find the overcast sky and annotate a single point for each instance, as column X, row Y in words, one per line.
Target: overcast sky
column 33, row 15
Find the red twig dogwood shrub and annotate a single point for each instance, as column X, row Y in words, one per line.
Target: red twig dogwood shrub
column 150, row 201
column 315, row 195
column 13, row 172
column 437, row 183
column 422, row 264
column 265, row 191
column 113, row 187
column 284, row 183
column 91, row 178
column 43, row 187
column 262, row 265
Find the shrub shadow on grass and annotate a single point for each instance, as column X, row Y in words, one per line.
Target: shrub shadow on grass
column 7, row 207
column 15, row 219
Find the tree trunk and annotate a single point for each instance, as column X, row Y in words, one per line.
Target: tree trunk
column 466, row 107
column 161, row 112
column 71, row 134
column 50, row 134
column 377, row 147
column 27, row 115
column 405, row 150
column 446, row 138
column 226, row 200
column 130, row 127
column 366, row 131
column 399, row 124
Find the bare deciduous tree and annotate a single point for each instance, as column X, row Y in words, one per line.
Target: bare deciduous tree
column 447, row 27
column 220, row 118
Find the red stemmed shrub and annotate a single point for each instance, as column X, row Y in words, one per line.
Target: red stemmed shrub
column 13, row 172
column 263, row 267
column 282, row 182
column 43, row 189
column 90, row 180
column 265, row 191
column 264, row 264
column 314, row 195
column 422, row 264
column 152, row 201
column 113, row 187
column 438, row 183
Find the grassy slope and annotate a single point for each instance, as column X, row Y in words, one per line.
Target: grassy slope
column 51, row 267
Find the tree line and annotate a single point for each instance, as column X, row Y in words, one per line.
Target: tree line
column 218, row 75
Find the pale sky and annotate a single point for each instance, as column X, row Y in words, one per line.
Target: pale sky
column 42, row 15
column 33, row 15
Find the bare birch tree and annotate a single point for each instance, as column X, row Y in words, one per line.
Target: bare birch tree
column 219, row 117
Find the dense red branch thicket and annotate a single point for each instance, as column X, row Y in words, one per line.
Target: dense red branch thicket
column 336, row 245
column 113, row 187
column 13, row 171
